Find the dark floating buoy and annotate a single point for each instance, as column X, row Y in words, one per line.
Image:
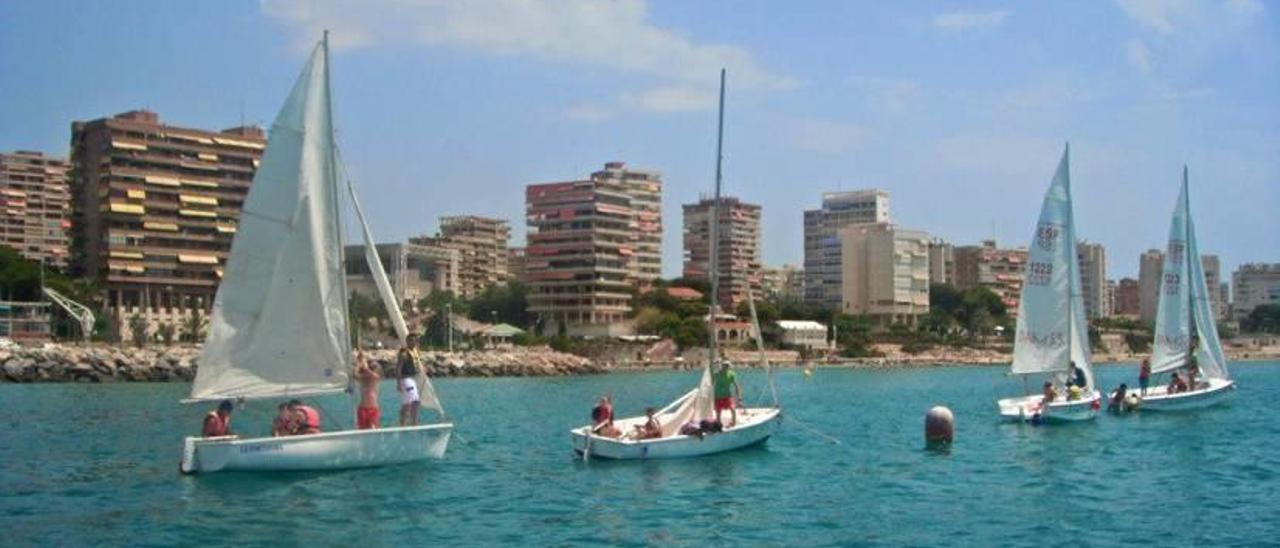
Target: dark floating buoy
column 939, row 427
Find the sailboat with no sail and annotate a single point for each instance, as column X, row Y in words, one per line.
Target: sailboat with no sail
column 279, row 328
column 1185, row 329
column 754, row 424
column 1052, row 335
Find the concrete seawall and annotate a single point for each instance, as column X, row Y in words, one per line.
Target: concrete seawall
column 101, row 363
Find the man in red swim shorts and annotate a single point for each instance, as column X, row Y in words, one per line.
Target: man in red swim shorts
column 725, row 384
column 368, row 416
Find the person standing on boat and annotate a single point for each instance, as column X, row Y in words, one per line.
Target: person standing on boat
column 1144, row 375
column 602, row 418
column 725, row 385
column 306, row 418
column 368, row 416
column 1077, row 377
column 218, row 422
column 407, row 385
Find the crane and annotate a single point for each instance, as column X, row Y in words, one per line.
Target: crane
column 78, row 311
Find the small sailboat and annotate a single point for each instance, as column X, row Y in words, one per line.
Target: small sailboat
column 279, row 328
column 1185, row 328
column 754, row 424
column 1052, row 335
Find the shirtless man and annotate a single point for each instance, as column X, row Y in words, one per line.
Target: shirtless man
column 368, row 416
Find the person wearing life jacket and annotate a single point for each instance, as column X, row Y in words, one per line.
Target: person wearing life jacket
column 308, row 419
column 218, row 423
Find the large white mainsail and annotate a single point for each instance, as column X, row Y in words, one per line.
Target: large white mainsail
column 1185, row 311
column 1051, row 332
column 279, row 322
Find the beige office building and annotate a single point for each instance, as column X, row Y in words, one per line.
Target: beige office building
column 885, row 273
column 822, row 264
column 35, row 206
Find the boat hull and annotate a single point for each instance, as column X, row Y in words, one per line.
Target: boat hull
column 1031, row 409
column 1216, row 392
column 755, row 425
column 326, row 451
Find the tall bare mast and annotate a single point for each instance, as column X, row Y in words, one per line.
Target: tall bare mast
column 714, row 257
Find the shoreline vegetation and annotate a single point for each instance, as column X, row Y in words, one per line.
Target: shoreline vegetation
column 100, row 363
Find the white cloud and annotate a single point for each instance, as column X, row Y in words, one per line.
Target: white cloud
column 1139, row 55
column 1157, row 15
column 1246, row 7
column 1169, row 16
column 614, row 35
column 965, row 20
column 671, row 99
column 819, row 136
column 886, row 94
column 589, row 113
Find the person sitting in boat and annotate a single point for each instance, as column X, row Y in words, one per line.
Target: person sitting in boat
column 218, row 422
column 306, row 417
column 1144, row 375
column 651, row 429
column 285, row 423
column 602, row 418
column 1050, row 393
column 1193, row 371
column 1176, row 384
column 1077, row 377
column 368, row 416
column 725, row 384
column 1118, row 399
column 407, row 385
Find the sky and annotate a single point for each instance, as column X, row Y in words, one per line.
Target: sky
column 959, row 109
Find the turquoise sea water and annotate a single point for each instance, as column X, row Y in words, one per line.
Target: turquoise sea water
column 94, row 464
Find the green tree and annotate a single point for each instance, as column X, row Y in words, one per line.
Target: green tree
column 1262, row 319
column 138, row 330
column 505, row 303
column 166, row 331
column 193, row 326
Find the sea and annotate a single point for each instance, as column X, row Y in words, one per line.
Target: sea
column 89, row 464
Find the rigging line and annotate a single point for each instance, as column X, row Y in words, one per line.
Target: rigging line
column 814, row 431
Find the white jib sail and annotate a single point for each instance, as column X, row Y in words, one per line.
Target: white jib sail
column 279, row 325
column 1050, row 327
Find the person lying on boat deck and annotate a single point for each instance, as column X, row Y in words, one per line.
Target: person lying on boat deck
column 407, row 385
column 651, row 429
column 285, row 424
column 1176, row 384
column 368, row 416
column 725, row 385
column 1117, row 402
column 1077, row 376
column 306, row 417
column 602, row 418
column 1144, row 375
column 218, row 422
column 1050, row 393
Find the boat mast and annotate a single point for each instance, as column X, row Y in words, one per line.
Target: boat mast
column 1071, row 266
column 337, row 214
column 714, row 250
column 1187, row 258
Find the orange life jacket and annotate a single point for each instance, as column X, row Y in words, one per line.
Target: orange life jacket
column 221, row 426
column 310, row 420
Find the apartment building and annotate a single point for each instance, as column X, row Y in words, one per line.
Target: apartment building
column 1128, row 298
column 942, row 262
column 1092, row 262
column 885, row 271
column 35, row 206
column 481, row 243
column 1253, row 285
column 737, row 248
column 822, row 262
column 1150, row 269
column 998, row 269
column 785, row 282
column 414, row 270
column 644, row 186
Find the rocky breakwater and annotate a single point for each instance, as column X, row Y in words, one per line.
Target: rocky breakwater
column 536, row 361
column 102, row 363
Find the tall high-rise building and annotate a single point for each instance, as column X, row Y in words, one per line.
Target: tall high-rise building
column 942, row 262
column 1109, row 300
column 1253, row 285
column 1128, row 298
column 645, row 188
column 737, row 250
column 886, row 273
column 155, row 208
column 999, row 269
column 35, row 206
column 1092, row 260
column 515, row 264
column 1213, row 282
column 822, row 261
column 1150, row 268
column 481, row 243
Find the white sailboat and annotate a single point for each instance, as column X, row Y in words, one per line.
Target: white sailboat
column 1052, row 333
column 1185, row 327
column 754, row 424
column 279, row 328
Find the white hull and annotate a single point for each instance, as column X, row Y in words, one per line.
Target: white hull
column 755, row 425
column 326, row 451
column 1210, row 392
column 1026, row 408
